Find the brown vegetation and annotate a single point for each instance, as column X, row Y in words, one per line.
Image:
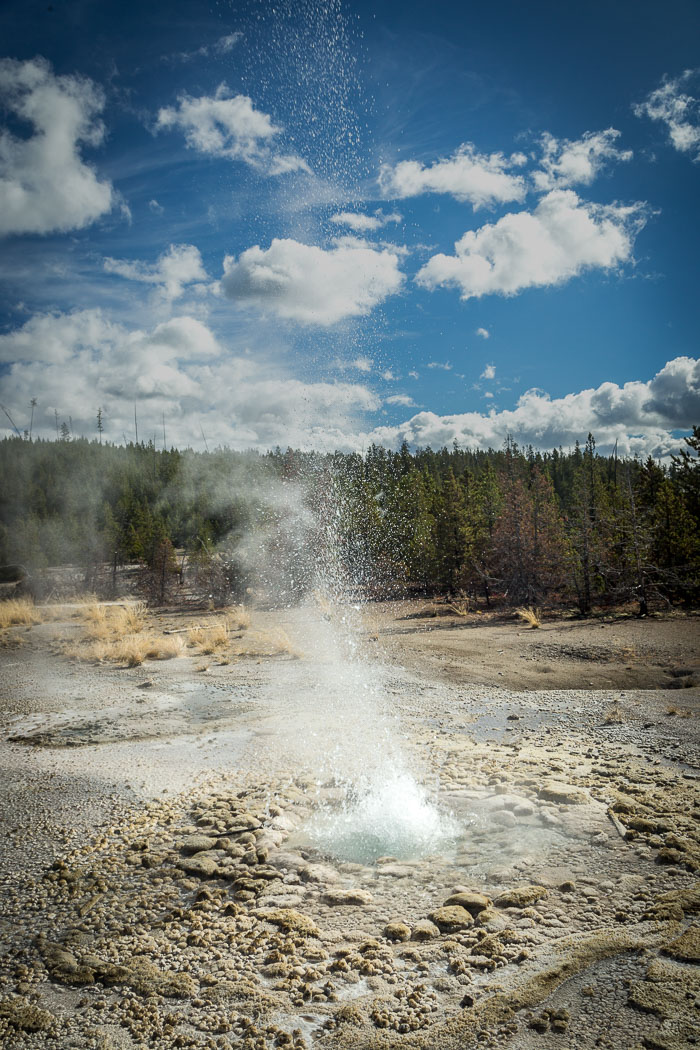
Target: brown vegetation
column 18, row 612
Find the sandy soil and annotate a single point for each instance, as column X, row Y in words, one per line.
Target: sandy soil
column 180, row 866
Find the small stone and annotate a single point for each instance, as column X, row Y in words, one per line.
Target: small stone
column 520, row 896
column 204, row 864
column 452, row 917
column 472, row 901
column 424, row 930
column 347, row 898
column 20, row 1014
column 318, row 873
column 290, row 921
column 563, row 794
column 196, row 843
column 685, row 948
column 397, row 931
column 505, row 818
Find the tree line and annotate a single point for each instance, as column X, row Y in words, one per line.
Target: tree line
column 502, row 526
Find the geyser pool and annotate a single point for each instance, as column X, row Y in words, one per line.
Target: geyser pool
column 393, row 817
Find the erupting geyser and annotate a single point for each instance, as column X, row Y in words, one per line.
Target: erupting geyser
column 393, row 816
column 369, row 803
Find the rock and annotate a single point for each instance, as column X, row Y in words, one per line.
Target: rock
column 649, row 827
column 472, row 902
column 491, row 920
column 396, row 871
column 524, row 809
column 318, row 873
column 507, row 801
column 196, row 843
column 450, row 918
column 424, row 930
column 505, row 818
column 57, row 958
column 520, row 897
column 290, row 861
column 685, row 948
column 347, row 898
column 563, row 794
column 397, row 931
column 668, row 856
column 290, row 921
column 20, row 1014
column 204, row 864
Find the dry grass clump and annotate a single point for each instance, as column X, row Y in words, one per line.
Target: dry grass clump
column 130, row 650
column 128, row 619
column 208, row 639
column 237, row 618
column 531, row 616
column 18, row 611
column 614, row 716
column 211, row 638
column 134, row 649
column 116, row 634
column 460, row 605
column 273, row 642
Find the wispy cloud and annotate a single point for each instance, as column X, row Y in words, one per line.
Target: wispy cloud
column 363, row 223
column 226, row 125
column 677, row 109
column 566, row 163
column 178, row 267
column 475, row 178
column 222, row 46
column 489, row 372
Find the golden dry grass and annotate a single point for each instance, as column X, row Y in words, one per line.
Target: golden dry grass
column 208, row 639
column 531, row 616
column 460, row 605
column 117, row 634
column 237, row 618
column 131, row 649
column 272, row 642
column 614, row 716
column 18, row 611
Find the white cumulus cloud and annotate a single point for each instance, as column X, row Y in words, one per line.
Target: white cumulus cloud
column 674, row 106
column 562, row 238
column 74, row 363
column 304, row 283
column 179, row 266
column 638, row 415
column 483, row 333
column 489, row 372
column 45, row 185
column 226, row 125
column 475, row 178
column 565, row 163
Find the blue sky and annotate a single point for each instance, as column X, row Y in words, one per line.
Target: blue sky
column 327, row 224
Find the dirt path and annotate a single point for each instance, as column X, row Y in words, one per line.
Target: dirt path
column 182, row 865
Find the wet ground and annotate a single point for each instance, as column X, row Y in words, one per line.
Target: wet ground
column 348, row 849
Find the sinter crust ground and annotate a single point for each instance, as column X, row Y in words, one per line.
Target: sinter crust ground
column 157, row 893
